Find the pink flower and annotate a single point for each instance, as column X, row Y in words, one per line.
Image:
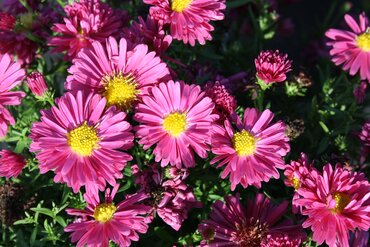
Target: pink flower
column 7, row 22
column 82, row 141
column 272, row 66
column 121, row 76
column 36, row 82
column 11, row 75
column 188, row 19
column 87, row 21
column 178, row 119
column 11, row 164
column 253, row 151
column 148, row 32
column 336, row 202
column 351, row 49
column 231, row 224
column 364, row 136
column 360, row 92
column 100, row 222
column 170, row 197
column 225, row 103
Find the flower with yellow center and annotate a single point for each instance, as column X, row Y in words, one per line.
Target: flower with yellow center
column 104, row 212
column 180, row 5
column 175, row 123
column 120, row 90
column 83, row 139
column 363, row 41
column 341, row 201
column 244, row 143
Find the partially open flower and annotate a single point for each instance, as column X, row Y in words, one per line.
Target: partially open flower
column 36, row 82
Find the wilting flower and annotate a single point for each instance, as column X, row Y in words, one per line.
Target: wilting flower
column 225, row 103
column 352, row 48
column 169, row 196
column 11, row 75
column 11, row 164
column 100, row 222
column 188, row 19
column 360, row 92
column 336, row 202
column 272, row 66
column 253, row 151
column 258, row 224
column 121, row 76
column 36, row 82
column 178, row 119
column 82, row 141
column 87, row 21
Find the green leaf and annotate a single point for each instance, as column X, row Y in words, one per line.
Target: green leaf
column 45, row 211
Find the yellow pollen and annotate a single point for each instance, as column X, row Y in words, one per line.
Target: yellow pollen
column 296, row 183
column 83, row 139
column 341, row 201
column 180, row 5
column 175, row 123
column 363, row 41
column 104, row 212
column 244, row 143
column 120, row 90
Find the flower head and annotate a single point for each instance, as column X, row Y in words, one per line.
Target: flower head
column 336, row 202
column 100, row 222
column 11, row 164
column 11, row 75
column 272, row 66
column 121, row 76
column 258, row 224
column 188, row 19
column 81, row 140
column 253, row 151
column 178, row 119
column 87, row 21
column 36, row 82
column 351, row 49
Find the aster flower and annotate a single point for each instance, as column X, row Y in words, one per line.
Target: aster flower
column 360, row 92
column 259, row 224
column 351, row 49
column 225, row 103
column 188, row 19
column 253, row 151
column 336, row 202
column 170, row 197
column 11, row 75
column 178, row 119
column 100, row 222
column 364, row 136
column 272, row 67
column 121, row 76
column 87, row 21
column 81, row 141
column 11, row 164
column 36, row 82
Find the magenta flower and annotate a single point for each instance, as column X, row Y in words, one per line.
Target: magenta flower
column 7, row 22
column 11, row 164
column 170, row 197
column 100, row 222
column 87, row 21
column 121, row 76
column 189, row 19
column 177, row 119
column 11, row 75
column 82, row 141
column 36, row 82
column 259, row 224
column 336, row 202
column 351, row 49
column 272, row 66
column 360, row 92
column 364, row 136
column 253, row 151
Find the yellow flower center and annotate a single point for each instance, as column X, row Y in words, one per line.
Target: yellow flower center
column 180, row 5
column 104, row 212
column 341, row 201
column 296, row 183
column 244, row 143
column 83, row 139
column 175, row 123
column 120, row 90
column 363, row 41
